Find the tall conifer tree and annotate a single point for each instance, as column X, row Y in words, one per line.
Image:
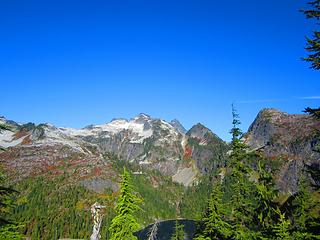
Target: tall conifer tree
column 313, row 44
column 242, row 207
column 305, row 221
column 124, row 224
column 282, row 228
column 266, row 194
column 215, row 225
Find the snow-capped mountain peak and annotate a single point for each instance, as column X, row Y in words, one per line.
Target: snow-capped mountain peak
column 149, row 142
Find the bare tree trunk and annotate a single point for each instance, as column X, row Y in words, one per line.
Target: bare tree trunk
column 97, row 220
column 153, row 231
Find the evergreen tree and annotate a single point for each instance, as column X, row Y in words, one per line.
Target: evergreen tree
column 10, row 232
column 8, row 229
column 305, row 221
column 315, row 112
column 202, row 238
column 313, row 44
column 265, row 197
column 5, row 200
column 242, row 207
column 281, row 229
column 214, row 224
column 179, row 233
column 124, row 224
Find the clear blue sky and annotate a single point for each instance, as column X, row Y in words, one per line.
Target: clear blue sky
column 73, row 63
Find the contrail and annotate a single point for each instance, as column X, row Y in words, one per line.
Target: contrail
column 262, row 101
column 310, row 97
column 278, row 100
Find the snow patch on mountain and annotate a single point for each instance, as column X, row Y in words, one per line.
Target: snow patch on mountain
column 139, row 130
column 7, row 139
column 2, row 120
column 54, row 136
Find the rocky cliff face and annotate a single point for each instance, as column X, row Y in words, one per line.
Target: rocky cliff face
column 206, row 148
column 147, row 142
column 291, row 138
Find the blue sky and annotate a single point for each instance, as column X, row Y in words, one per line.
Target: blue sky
column 73, row 63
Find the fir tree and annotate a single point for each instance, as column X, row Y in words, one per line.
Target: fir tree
column 305, row 221
column 313, row 44
column 124, row 224
column 214, row 224
column 179, row 233
column 281, row 229
column 242, row 207
column 265, row 197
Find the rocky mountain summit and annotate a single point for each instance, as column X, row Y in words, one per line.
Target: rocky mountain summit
column 291, row 139
column 144, row 141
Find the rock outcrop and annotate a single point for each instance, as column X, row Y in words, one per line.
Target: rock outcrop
column 290, row 138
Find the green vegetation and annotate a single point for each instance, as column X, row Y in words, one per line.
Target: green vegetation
column 52, row 207
column 214, row 224
column 193, row 200
column 281, row 228
column 55, row 209
column 179, row 233
column 313, row 44
column 9, row 229
column 245, row 206
column 124, row 224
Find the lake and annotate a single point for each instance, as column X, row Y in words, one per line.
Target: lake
column 167, row 228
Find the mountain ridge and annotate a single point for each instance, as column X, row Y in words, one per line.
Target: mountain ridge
column 151, row 143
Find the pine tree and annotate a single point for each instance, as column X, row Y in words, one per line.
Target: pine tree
column 124, row 224
column 179, row 233
column 214, row 224
column 313, row 44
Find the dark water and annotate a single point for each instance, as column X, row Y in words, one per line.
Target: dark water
column 166, row 230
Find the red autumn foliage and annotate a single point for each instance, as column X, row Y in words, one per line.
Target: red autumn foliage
column 187, row 152
column 19, row 134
